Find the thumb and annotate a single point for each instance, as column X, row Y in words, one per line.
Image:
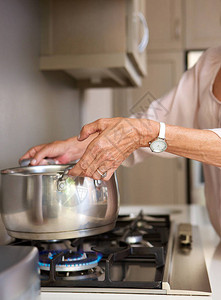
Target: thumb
column 87, row 130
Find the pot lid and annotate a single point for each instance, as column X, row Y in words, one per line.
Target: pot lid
column 36, row 170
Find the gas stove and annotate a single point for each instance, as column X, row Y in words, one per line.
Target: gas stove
column 142, row 254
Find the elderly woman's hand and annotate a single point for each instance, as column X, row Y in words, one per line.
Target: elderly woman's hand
column 117, row 139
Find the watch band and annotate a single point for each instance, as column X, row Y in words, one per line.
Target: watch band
column 162, row 132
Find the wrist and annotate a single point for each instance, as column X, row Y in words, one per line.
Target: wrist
column 149, row 132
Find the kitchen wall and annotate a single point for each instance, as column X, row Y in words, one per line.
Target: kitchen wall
column 35, row 107
column 96, row 104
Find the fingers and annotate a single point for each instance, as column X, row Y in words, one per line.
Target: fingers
column 31, row 152
column 55, row 150
column 76, row 171
column 94, row 163
column 38, row 154
column 103, row 174
column 60, row 151
column 44, row 152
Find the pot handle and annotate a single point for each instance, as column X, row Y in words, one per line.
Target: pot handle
column 98, row 183
column 61, row 183
column 26, row 162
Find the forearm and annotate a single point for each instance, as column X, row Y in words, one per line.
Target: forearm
column 201, row 145
column 119, row 137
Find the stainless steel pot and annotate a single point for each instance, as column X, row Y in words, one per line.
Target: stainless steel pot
column 4, row 237
column 43, row 203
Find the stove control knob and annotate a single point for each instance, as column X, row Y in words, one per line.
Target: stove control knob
column 185, row 234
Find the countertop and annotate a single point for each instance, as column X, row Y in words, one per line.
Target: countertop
column 196, row 215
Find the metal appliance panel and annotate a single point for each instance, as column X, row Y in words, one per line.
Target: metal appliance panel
column 188, row 274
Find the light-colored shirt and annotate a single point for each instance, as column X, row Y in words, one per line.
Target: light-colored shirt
column 192, row 104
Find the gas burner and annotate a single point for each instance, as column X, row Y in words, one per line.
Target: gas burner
column 69, row 261
column 96, row 273
column 112, row 247
column 144, row 225
column 126, row 218
column 90, row 274
column 136, row 238
column 55, row 245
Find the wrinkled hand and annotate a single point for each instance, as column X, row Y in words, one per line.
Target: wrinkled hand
column 117, row 139
column 62, row 152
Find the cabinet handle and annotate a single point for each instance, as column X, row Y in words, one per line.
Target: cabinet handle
column 145, row 39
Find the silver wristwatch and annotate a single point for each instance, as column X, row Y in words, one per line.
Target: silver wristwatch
column 159, row 145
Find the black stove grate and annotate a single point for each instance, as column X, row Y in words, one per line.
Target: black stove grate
column 123, row 265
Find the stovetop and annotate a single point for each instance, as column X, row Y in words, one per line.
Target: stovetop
column 137, row 256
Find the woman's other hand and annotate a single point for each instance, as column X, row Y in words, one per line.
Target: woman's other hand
column 62, row 152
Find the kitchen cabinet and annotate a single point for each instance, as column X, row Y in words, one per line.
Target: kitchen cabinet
column 183, row 24
column 165, row 20
column 99, row 43
column 203, row 23
column 156, row 180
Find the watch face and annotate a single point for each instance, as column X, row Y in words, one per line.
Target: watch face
column 158, row 146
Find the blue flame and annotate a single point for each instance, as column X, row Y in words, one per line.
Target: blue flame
column 81, row 263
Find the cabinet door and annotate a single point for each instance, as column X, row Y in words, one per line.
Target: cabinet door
column 165, row 22
column 89, row 40
column 203, row 23
column 156, row 180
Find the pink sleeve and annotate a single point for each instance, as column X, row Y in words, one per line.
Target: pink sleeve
column 178, row 107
